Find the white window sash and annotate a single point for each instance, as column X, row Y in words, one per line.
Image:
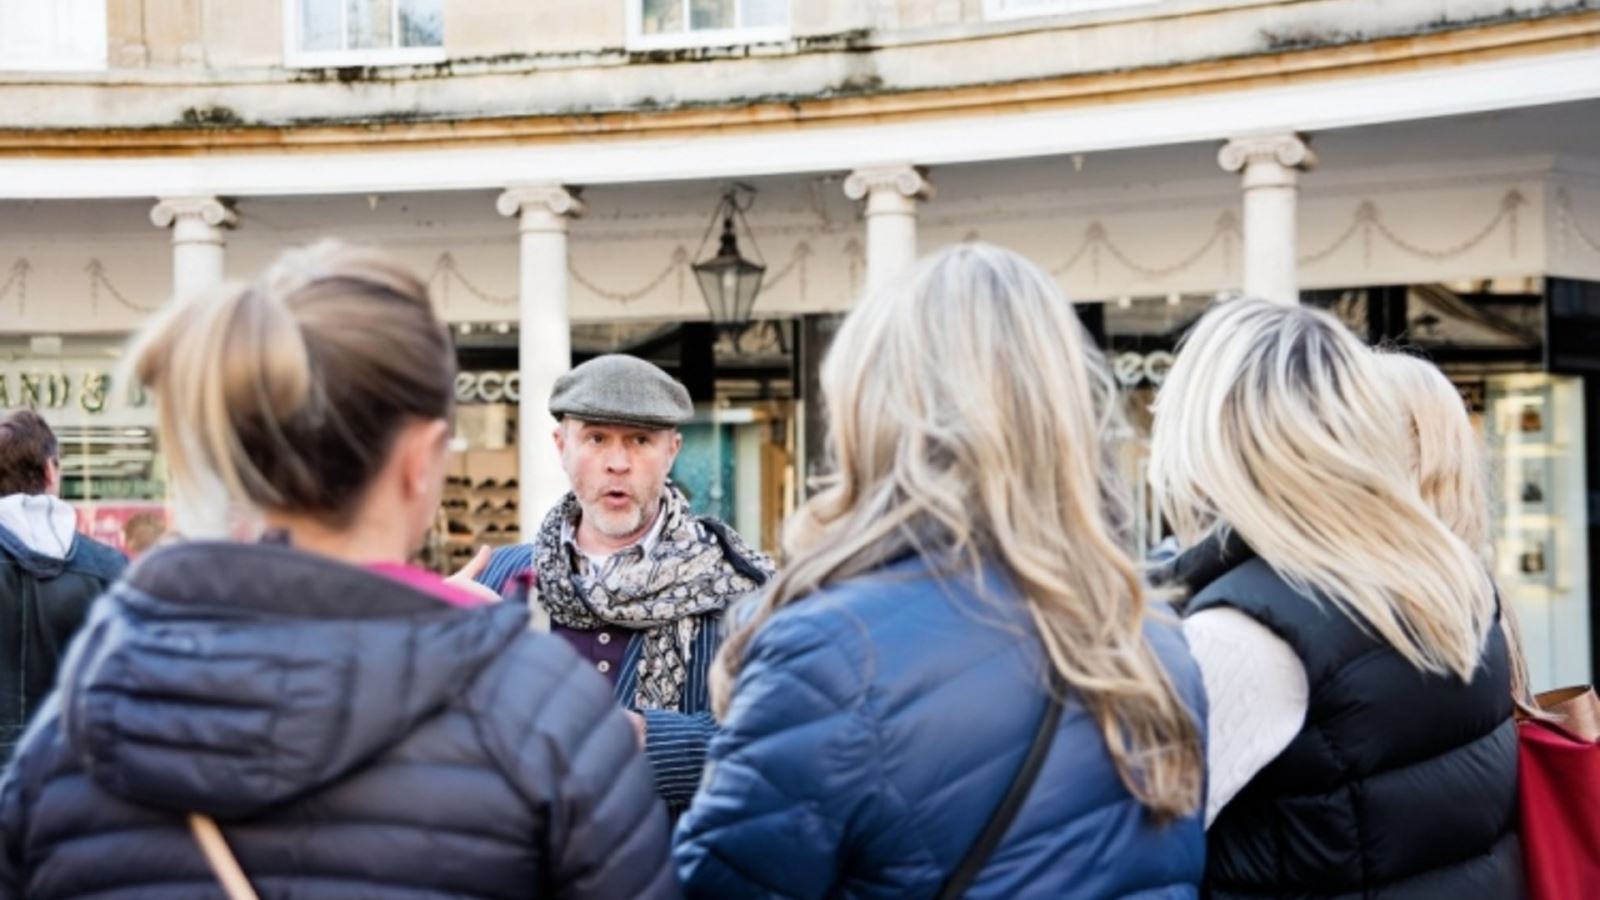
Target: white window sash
column 705, row 37
column 88, row 53
column 295, row 58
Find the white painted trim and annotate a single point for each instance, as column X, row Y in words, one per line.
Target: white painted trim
column 995, row 11
column 399, row 56
column 1335, row 103
column 14, row 64
column 710, row 37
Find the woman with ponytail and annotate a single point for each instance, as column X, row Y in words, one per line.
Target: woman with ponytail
column 897, row 688
column 351, row 726
column 1362, row 740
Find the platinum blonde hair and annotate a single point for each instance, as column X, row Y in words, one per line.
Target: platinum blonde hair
column 1445, row 454
column 1447, row 459
column 969, row 417
column 1277, row 422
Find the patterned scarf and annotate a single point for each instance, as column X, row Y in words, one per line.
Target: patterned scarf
column 663, row 592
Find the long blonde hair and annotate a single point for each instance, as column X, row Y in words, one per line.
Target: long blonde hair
column 1446, row 455
column 1448, row 461
column 969, row 418
column 286, row 394
column 1276, row 422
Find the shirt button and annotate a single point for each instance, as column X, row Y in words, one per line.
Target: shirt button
column 604, row 638
column 603, row 666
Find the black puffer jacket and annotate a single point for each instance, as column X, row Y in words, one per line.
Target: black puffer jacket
column 43, row 601
column 354, row 737
column 1400, row 784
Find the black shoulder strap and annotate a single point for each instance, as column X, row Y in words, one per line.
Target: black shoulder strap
column 743, row 566
column 978, row 855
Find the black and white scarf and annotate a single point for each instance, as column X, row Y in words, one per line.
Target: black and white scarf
column 663, row 592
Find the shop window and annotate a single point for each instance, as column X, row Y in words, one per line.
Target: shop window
column 659, row 24
column 1022, row 9
column 364, row 32
column 62, row 35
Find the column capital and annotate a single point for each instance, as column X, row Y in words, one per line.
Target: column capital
column 910, row 182
column 213, row 212
column 553, row 200
column 1288, row 150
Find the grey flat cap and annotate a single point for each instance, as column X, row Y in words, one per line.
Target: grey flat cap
column 618, row 389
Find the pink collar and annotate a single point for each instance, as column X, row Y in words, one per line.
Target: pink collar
column 426, row 582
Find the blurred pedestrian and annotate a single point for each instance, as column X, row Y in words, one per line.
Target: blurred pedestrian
column 141, row 532
column 49, row 573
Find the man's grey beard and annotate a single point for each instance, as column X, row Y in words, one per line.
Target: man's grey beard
column 647, row 511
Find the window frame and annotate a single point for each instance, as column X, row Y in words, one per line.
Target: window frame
column 296, row 58
column 705, row 37
column 995, row 11
column 97, row 60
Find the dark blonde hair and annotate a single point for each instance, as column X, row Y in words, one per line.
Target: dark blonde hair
column 286, row 394
column 969, row 416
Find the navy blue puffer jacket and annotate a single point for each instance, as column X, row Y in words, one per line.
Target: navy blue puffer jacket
column 353, row 736
column 874, row 729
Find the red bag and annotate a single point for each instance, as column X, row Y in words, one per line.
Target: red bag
column 1559, row 800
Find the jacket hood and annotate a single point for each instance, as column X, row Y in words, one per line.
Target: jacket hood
column 39, row 532
column 226, row 678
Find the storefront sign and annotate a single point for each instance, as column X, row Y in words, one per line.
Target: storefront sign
column 1134, row 369
column 45, row 389
column 489, row 387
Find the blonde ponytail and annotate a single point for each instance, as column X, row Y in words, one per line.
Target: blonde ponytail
column 284, row 394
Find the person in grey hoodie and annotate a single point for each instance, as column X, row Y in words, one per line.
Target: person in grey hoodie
column 49, row 574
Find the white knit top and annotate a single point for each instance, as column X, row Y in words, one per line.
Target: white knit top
column 1257, row 692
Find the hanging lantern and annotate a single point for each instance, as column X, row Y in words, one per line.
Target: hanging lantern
column 728, row 280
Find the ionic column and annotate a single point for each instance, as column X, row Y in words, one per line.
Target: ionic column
column 545, row 349
column 891, row 193
column 1271, row 167
column 199, row 227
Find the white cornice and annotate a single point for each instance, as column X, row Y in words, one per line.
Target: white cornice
column 1308, row 108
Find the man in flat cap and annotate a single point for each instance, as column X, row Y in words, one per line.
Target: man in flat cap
column 628, row 574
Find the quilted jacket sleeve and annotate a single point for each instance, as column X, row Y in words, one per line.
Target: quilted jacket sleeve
column 559, row 737
column 786, row 775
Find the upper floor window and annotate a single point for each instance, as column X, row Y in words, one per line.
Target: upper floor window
column 705, row 23
column 364, row 32
column 61, row 35
column 1021, row 9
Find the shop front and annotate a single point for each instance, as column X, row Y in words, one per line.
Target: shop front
column 111, row 466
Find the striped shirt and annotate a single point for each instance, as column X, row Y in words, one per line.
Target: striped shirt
column 675, row 740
